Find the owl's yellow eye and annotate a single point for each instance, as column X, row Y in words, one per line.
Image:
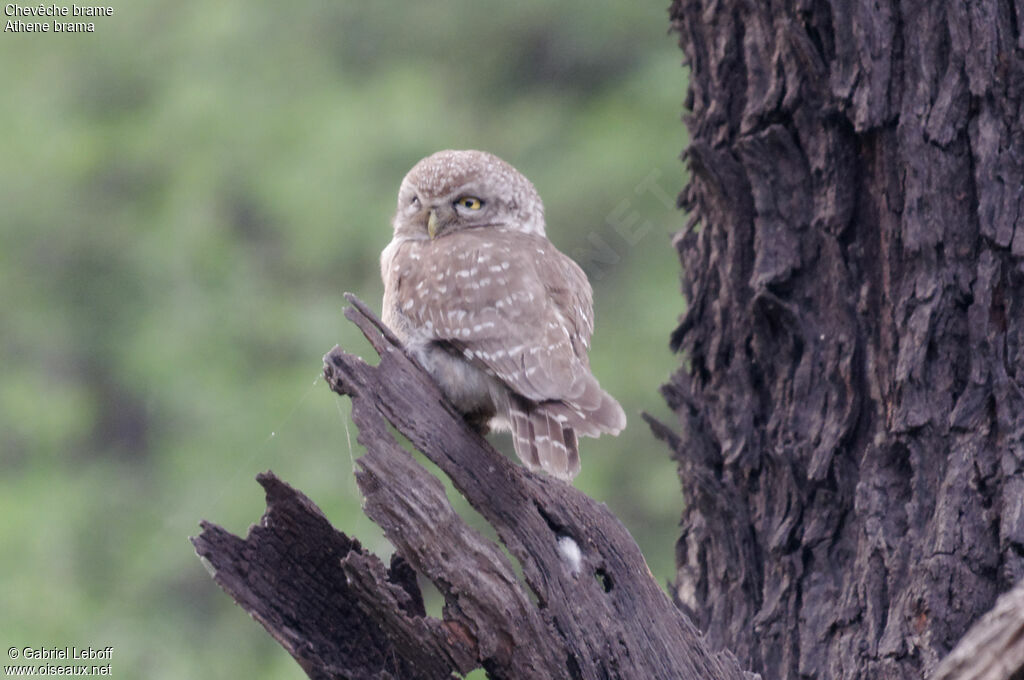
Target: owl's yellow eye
column 470, row 202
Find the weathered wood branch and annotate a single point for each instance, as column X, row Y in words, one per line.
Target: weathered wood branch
column 333, row 606
column 993, row 649
column 589, row 607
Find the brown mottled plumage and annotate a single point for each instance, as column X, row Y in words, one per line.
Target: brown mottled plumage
column 493, row 310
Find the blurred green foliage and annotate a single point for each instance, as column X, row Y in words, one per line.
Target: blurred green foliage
column 185, row 194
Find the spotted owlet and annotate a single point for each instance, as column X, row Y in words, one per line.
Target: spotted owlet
column 496, row 314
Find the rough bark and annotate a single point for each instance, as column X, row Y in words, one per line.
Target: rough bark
column 332, row 605
column 850, row 404
column 342, row 614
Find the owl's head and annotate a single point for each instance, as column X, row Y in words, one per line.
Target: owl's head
column 454, row 190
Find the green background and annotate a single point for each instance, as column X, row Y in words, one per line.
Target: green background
column 185, row 195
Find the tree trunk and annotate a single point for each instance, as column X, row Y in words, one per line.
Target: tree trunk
column 851, row 397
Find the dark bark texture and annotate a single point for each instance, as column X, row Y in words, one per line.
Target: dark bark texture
column 336, row 608
column 342, row 614
column 850, row 404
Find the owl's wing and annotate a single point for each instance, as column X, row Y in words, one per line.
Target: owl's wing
column 569, row 290
column 516, row 306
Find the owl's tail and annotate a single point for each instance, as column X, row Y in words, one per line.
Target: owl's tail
column 545, row 434
column 543, row 442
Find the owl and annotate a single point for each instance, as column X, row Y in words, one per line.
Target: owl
column 492, row 310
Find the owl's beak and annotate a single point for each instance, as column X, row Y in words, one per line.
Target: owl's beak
column 432, row 224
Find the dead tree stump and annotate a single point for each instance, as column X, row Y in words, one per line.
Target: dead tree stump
column 589, row 606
